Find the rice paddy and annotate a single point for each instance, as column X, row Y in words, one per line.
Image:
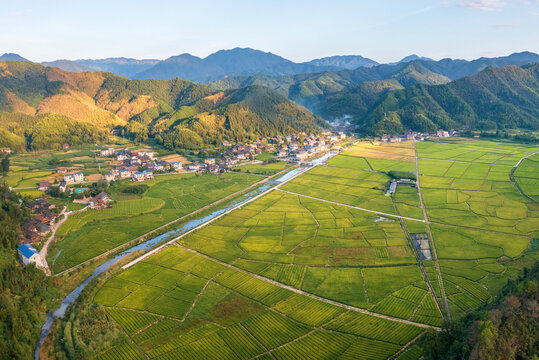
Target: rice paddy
column 289, row 276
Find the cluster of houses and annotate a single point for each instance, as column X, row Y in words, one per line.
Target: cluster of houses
column 414, row 135
column 302, row 147
column 133, row 162
column 37, row 227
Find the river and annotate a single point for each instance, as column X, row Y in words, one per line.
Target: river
column 70, row 299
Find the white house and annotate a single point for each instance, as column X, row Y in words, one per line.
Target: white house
column 29, row 255
column 176, row 165
column 79, row 177
column 69, row 179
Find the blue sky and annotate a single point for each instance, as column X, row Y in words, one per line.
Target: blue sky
column 383, row 30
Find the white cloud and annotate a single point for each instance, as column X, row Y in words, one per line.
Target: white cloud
column 483, row 5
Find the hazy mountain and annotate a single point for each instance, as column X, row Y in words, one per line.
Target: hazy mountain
column 349, row 62
column 67, row 65
column 225, row 63
column 12, row 57
column 119, row 66
column 410, row 58
column 177, row 112
column 495, row 98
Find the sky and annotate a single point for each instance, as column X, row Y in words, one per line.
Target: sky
column 299, row 30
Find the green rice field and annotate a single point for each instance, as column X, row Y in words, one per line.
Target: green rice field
column 323, row 267
column 93, row 232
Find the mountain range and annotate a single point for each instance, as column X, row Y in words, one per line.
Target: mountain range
column 415, row 93
column 44, row 107
column 309, row 89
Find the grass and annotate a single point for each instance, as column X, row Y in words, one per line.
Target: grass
column 263, row 169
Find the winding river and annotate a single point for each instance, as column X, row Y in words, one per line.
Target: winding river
column 70, row 299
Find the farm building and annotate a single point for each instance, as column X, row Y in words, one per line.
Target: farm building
column 100, row 200
column 44, row 186
column 29, row 255
column 61, row 170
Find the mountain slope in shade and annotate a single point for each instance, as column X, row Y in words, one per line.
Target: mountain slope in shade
column 495, row 98
column 12, row 57
column 349, row 62
column 149, row 108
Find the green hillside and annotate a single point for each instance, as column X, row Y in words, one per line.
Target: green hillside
column 495, row 98
column 174, row 110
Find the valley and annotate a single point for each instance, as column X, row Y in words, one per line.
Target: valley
column 324, row 263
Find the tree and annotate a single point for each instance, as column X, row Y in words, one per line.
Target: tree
column 4, row 165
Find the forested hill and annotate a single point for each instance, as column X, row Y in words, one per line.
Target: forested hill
column 495, row 98
column 39, row 105
column 309, row 89
column 507, row 328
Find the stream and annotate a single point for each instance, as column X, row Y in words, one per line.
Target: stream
column 148, row 244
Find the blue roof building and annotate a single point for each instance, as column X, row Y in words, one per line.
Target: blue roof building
column 29, row 255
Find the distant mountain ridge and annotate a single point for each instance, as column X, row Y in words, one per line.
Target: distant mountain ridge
column 225, row 63
column 309, row 89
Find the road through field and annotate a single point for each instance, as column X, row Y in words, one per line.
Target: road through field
column 312, row 296
column 353, row 207
column 515, row 183
column 429, row 233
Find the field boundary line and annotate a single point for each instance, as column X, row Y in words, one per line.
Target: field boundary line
column 351, row 206
column 513, row 180
column 434, row 254
column 206, row 207
column 405, row 347
column 312, row 296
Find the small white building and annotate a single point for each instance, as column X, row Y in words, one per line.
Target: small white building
column 69, row 179
column 79, row 177
column 148, row 153
column 29, row 255
column 176, row 165
column 106, row 152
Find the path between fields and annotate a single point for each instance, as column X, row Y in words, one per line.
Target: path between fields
column 129, row 243
column 351, row 206
column 512, row 177
column 312, row 296
column 429, row 233
column 45, row 248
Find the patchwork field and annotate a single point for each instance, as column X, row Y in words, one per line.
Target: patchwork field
column 325, row 267
column 93, row 232
column 179, row 305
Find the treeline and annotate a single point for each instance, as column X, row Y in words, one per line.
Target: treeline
column 25, row 292
column 85, row 331
column 45, row 131
column 507, row 328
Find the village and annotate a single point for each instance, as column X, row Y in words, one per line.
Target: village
column 414, row 135
column 143, row 165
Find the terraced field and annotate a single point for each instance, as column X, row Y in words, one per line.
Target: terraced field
column 179, row 305
column 324, row 267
